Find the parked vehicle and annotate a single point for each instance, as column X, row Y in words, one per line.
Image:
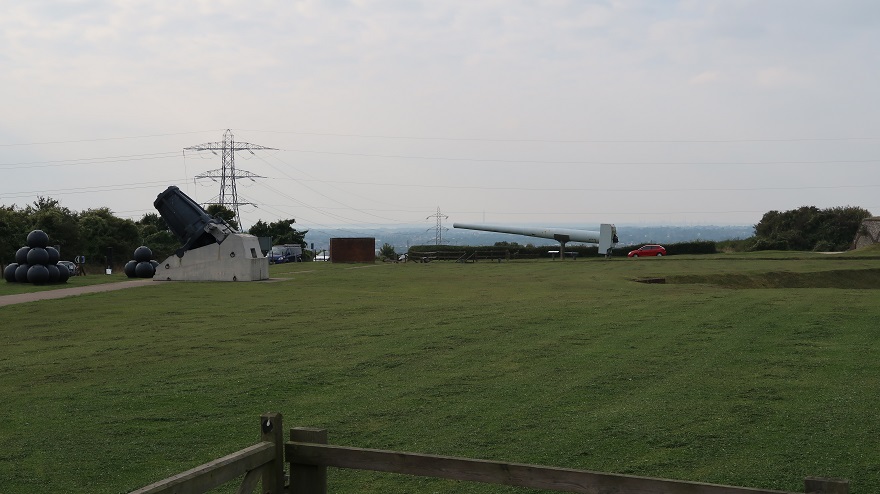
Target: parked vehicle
column 69, row 265
column 285, row 253
column 648, row 250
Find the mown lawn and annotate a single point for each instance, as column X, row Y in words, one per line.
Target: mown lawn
column 710, row 377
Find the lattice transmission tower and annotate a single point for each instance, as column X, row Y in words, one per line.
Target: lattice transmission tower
column 438, row 235
column 227, row 175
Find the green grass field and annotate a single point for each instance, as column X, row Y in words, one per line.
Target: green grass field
column 753, row 369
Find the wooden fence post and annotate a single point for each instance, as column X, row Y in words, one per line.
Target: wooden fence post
column 308, row 479
column 817, row 485
column 272, row 430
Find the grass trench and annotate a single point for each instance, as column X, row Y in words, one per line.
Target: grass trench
column 569, row 364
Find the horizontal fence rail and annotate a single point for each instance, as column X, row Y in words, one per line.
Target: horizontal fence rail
column 262, row 462
column 309, row 456
column 216, row 473
column 511, row 474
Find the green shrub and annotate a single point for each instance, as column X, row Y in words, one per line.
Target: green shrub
column 736, row 245
column 693, row 247
column 453, row 252
column 809, row 228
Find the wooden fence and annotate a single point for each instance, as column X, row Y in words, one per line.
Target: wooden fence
column 458, row 255
column 263, row 461
column 466, row 255
column 309, row 456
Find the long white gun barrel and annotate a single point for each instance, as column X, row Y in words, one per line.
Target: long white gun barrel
column 570, row 235
column 605, row 237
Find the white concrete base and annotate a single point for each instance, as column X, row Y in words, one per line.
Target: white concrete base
column 238, row 258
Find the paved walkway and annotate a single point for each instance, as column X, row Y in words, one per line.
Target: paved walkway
column 22, row 298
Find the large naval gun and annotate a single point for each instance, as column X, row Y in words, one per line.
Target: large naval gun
column 211, row 250
column 606, row 237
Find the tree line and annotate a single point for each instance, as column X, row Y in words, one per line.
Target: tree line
column 95, row 233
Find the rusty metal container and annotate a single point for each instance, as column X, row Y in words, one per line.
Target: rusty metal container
column 353, row 249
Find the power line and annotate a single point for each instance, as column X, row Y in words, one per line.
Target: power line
column 573, row 141
column 87, row 161
column 312, row 189
column 597, row 189
column 162, row 155
column 92, row 189
column 468, row 139
column 321, row 210
column 97, row 139
column 582, row 162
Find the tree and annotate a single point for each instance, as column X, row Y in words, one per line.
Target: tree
column 156, row 235
column 260, row 229
column 60, row 223
column 387, row 251
column 153, row 220
column 13, row 232
column 100, row 230
column 809, row 228
column 839, row 227
column 281, row 232
column 224, row 213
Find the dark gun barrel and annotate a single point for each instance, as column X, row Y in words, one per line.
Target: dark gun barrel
column 188, row 221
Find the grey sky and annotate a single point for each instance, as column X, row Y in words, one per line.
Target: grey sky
column 655, row 112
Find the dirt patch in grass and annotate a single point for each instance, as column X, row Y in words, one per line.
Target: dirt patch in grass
column 865, row 279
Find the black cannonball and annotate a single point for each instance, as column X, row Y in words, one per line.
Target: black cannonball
column 54, row 255
column 37, row 274
column 155, row 263
column 144, row 270
column 21, row 273
column 37, row 238
column 63, row 274
column 128, row 269
column 9, row 272
column 21, row 255
column 54, row 273
column 38, row 255
column 143, row 254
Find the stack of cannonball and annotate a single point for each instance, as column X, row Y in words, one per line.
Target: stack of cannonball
column 142, row 266
column 36, row 263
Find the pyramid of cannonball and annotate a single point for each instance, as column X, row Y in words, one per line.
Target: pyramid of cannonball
column 36, row 263
column 142, row 266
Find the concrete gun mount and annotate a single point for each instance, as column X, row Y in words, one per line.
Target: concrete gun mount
column 211, row 250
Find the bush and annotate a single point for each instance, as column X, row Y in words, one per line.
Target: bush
column 694, row 247
column 809, row 228
column 452, row 252
column 770, row 244
column 387, row 252
column 736, row 245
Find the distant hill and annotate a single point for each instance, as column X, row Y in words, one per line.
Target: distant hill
column 404, row 237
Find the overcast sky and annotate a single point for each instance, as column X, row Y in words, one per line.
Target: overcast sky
column 381, row 113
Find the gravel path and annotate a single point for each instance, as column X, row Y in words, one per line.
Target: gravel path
column 22, row 298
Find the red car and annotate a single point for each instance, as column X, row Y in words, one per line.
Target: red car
column 648, row 250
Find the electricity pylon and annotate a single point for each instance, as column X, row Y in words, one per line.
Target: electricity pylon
column 227, row 175
column 438, row 235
